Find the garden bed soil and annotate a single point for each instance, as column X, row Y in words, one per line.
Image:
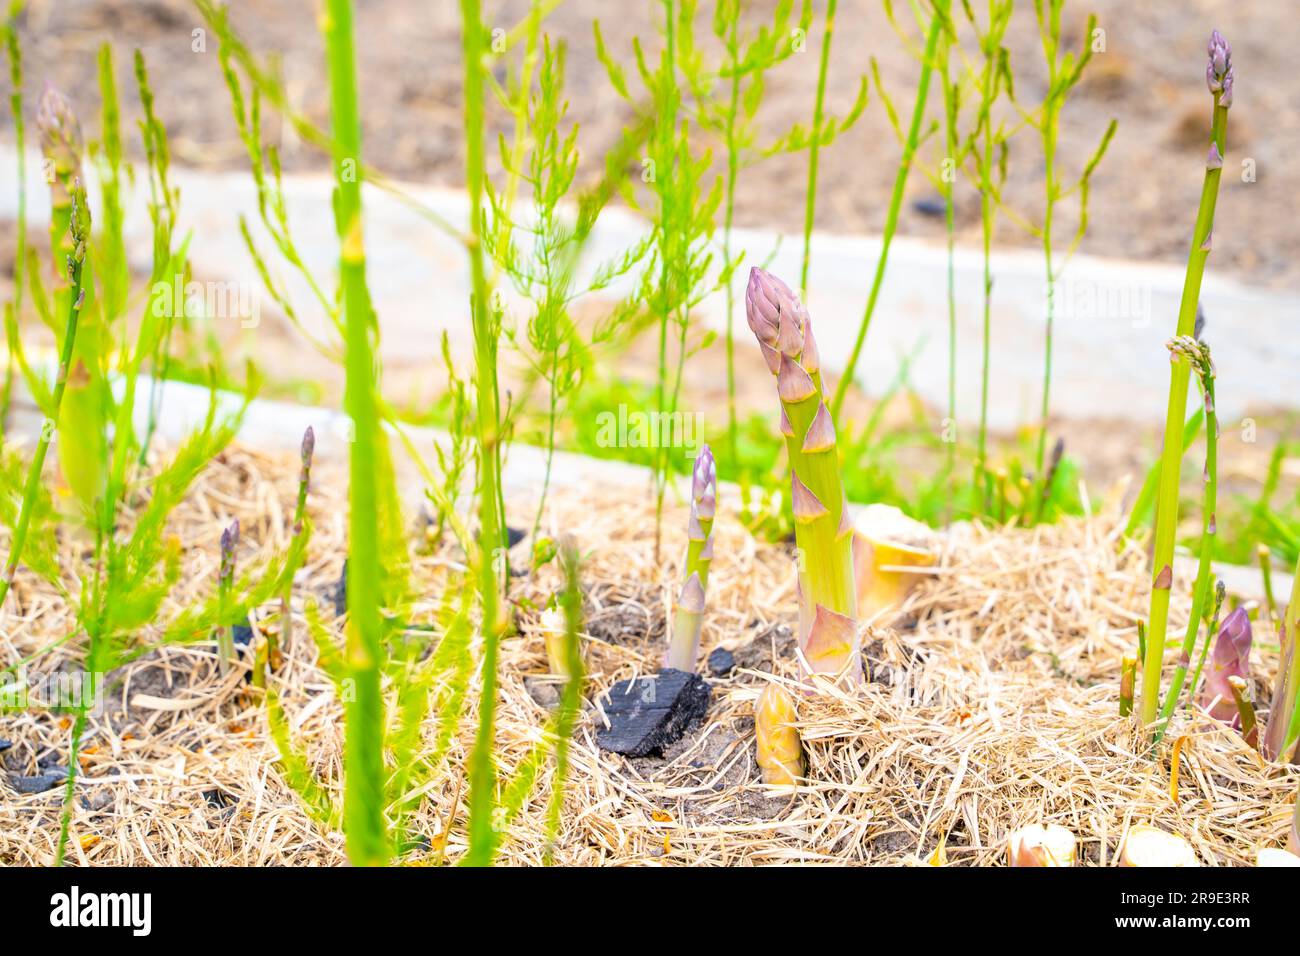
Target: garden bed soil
column 991, row 704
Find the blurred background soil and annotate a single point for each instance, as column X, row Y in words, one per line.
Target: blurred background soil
column 1150, row 78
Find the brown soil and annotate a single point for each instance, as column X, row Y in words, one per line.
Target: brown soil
column 1150, row 78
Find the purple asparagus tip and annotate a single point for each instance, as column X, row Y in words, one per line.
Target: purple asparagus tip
column 61, row 139
column 1230, row 657
column 704, row 477
column 775, row 314
column 1218, row 71
column 308, row 445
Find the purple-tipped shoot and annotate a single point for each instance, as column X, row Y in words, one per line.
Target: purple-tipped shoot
column 1229, row 658
column 688, row 617
column 828, row 637
column 225, row 579
column 1218, row 71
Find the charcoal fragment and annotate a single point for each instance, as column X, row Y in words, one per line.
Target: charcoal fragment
column 646, row 714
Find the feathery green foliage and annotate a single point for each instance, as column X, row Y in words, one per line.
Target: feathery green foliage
column 1064, row 71
column 934, row 29
column 681, row 206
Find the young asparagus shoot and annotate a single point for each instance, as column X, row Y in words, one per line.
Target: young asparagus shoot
column 1241, row 698
column 1147, row 846
column 1127, row 683
column 78, row 224
column 276, row 640
column 1219, row 78
column 688, row 616
column 1039, row 845
column 226, row 578
column 1229, row 660
column 780, row 750
column 828, row 606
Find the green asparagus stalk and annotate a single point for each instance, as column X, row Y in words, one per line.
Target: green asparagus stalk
column 225, row 580
column 689, row 614
column 79, row 234
column 828, row 631
column 1219, row 77
column 1198, row 353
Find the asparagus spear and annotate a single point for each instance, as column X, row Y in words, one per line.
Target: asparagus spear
column 689, row 614
column 828, row 631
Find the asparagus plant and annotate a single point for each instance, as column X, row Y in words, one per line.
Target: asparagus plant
column 689, row 614
column 987, row 149
column 79, row 235
column 828, row 632
column 82, row 453
column 1219, row 78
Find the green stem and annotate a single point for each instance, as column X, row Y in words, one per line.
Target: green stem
column 1266, row 572
column 733, row 169
column 1172, row 454
column 1201, row 590
column 895, row 203
column 814, row 149
column 1147, row 495
column 482, row 771
column 363, row 799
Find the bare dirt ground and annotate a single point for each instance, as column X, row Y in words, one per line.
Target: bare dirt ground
column 1150, row 78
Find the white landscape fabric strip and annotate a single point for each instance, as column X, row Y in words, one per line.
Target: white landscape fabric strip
column 1112, row 315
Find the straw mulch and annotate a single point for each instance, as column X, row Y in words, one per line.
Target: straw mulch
column 991, row 704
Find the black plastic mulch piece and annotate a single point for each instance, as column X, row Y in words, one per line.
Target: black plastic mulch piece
column 242, row 634
column 646, row 714
column 514, row 536
column 5, row 744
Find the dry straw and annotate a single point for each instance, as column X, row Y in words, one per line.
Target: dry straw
column 992, row 708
